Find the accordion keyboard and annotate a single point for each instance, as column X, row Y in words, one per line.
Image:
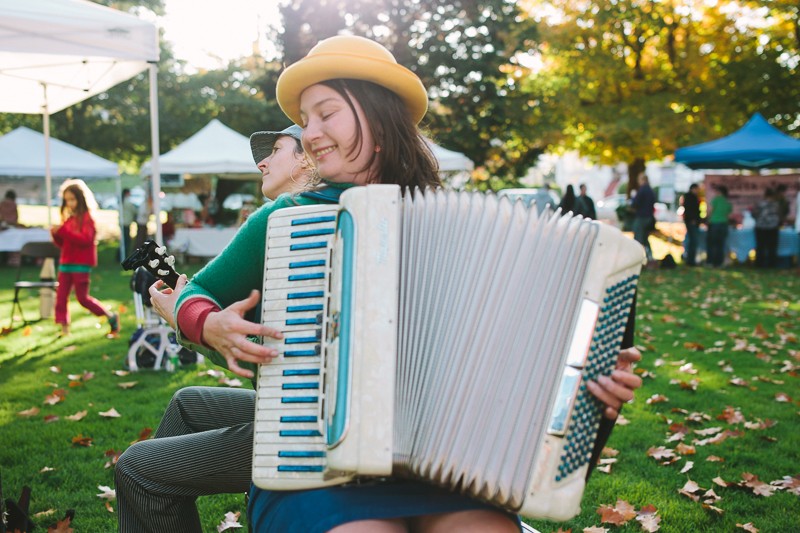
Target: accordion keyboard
column 288, row 438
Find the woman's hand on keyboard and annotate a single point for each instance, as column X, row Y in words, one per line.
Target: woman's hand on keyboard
column 226, row 331
column 617, row 388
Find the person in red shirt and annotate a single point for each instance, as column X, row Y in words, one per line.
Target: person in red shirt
column 76, row 238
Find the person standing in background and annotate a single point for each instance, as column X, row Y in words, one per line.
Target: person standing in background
column 142, row 216
column 76, row 237
column 643, row 207
column 542, row 199
column 567, row 204
column 9, row 214
column 128, row 214
column 767, row 214
column 584, row 205
column 691, row 218
column 718, row 218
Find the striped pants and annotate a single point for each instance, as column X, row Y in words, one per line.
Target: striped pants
column 203, row 445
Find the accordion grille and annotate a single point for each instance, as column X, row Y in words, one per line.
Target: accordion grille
column 491, row 285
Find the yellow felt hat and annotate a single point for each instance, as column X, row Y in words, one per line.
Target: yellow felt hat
column 350, row 57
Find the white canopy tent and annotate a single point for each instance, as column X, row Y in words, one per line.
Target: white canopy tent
column 22, row 154
column 449, row 160
column 214, row 149
column 55, row 53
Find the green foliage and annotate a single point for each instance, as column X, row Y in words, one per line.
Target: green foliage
column 628, row 80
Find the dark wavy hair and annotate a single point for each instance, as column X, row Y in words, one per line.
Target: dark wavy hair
column 82, row 206
column 404, row 158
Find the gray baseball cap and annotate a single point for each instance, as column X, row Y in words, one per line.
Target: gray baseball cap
column 261, row 142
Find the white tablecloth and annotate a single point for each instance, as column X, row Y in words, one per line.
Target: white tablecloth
column 201, row 242
column 742, row 241
column 13, row 239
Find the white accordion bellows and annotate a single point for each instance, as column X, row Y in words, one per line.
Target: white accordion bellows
column 446, row 337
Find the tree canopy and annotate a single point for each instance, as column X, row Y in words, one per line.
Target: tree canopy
column 618, row 80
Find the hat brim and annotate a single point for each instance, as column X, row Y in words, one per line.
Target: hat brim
column 321, row 67
column 261, row 143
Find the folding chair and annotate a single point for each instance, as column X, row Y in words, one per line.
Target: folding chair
column 34, row 250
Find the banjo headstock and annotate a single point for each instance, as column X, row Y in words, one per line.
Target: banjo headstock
column 154, row 259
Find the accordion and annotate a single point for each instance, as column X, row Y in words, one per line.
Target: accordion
column 445, row 337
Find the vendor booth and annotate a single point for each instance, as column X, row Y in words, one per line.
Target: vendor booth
column 755, row 147
column 216, row 153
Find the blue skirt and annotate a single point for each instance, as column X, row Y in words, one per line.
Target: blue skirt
column 320, row 510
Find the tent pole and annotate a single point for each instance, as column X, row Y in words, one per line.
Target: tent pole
column 47, row 178
column 154, row 166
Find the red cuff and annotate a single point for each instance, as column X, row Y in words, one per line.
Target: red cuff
column 192, row 317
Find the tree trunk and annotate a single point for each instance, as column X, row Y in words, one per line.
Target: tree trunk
column 635, row 169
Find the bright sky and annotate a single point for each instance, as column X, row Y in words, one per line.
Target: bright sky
column 209, row 33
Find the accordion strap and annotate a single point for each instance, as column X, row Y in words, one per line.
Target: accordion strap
column 325, row 194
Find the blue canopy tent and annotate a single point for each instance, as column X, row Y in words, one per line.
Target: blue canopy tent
column 755, row 146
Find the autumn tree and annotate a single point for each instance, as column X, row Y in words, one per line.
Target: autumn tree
column 632, row 80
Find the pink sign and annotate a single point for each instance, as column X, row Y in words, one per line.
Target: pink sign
column 745, row 191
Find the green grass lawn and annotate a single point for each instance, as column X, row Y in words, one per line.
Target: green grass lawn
column 720, row 370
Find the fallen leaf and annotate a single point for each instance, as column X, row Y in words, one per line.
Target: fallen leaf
column 50, row 418
column 685, row 449
column 660, row 452
column 595, row 529
column 44, row 514
column 108, row 507
column 114, row 455
column 27, row 413
column 230, row 521
column 760, row 333
column 688, row 466
column 62, row 526
column 696, row 346
column 143, row 435
column 748, row 527
column 783, row 397
column 111, row 413
column 656, row 398
column 26, row 331
column 715, row 459
column 107, row 493
column 121, row 373
column 46, row 469
column 55, row 369
column 80, row 440
column 127, row 384
column 77, row 416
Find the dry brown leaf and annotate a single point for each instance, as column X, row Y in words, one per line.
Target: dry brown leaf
column 657, row 398
column 715, row 459
column 143, row 435
column 649, row 522
column 108, row 507
column 739, row 382
column 231, row 521
column 760, row 333
column 46, row 469
column 788, row 483
column 111, row 413
column 127, row 384
column 80, row 440
column 595, row 529
column 44, row 514
column 55, row 369
column 121, row 373
column 106, row 492
column 731, row 416
column 50, row 418
column 685, row 449
column 609, row 452
column 783, row 397
column 62, row 526
column 80, row 415
column 688, row 466
column 57, row 396
column 27, row 413
column 696, row 346
column 660, row 452
column 748, row 527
